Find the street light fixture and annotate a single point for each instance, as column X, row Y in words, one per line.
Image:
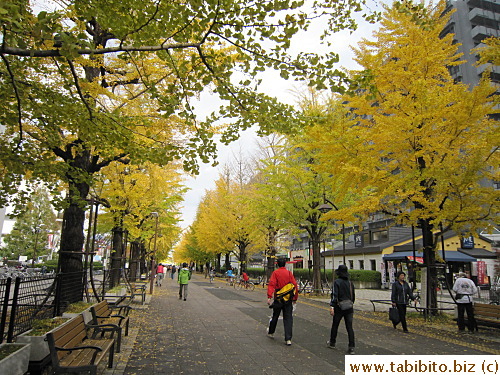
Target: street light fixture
column 327, row 207
column 153, row 255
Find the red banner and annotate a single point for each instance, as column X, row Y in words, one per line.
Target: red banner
column 481, row 272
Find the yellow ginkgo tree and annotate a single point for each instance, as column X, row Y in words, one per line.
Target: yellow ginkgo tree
column 416, row 144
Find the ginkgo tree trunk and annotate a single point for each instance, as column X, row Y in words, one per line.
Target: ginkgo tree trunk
column 412, row 142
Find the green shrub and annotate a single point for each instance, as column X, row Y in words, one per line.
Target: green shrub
column 51, row 265
column 354, row 275
column 255, row 272
column 365, row 275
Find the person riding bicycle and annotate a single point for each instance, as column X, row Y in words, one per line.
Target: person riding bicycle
column 245, row 278
column 230, row 275
column 211, row 273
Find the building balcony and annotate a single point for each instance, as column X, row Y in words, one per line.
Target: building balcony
column 495, row 69
column 482, row 17
column 485, row 4
column 479, row 33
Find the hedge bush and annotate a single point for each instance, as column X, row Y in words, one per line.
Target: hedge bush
column 354, row 275
column 255, row 272
column 365, row 275
column 50, row 264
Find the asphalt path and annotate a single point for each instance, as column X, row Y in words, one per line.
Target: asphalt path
column 220, row 330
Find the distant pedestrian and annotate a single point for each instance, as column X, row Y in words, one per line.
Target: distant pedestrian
column 183, row 277
column 465, row 289
column 172, row 273
column 340, row 307
column 279, row 280
column 160, row 269
column 400, row 297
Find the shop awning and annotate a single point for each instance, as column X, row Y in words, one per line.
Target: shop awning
column 451, row 256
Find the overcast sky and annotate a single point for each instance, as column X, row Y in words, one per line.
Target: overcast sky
column 272, row 85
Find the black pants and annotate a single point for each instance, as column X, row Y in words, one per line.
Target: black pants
column 402, row 315
column 337, row 317
column 287, row 309
column 471, row 321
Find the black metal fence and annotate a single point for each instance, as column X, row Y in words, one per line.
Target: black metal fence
column 25, row 298
column 29, row 298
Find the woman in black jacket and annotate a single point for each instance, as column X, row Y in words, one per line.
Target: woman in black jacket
column 400, row 296
column 342, row 290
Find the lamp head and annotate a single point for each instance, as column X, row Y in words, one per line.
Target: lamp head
column 324, row 208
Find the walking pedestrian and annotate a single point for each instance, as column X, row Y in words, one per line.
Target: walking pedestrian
column 172, row 274
column 465, row 289
column 400, row 297
column 340, row 307
column 160, row 269
column 183, row 277
column 280, row 279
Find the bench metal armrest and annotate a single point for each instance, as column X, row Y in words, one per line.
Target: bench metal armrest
column 111, row 316
column 122, row 309
column 103, row 328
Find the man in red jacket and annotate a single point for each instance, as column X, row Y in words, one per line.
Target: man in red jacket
column 278, row 280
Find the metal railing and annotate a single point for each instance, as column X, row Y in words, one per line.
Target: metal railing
column 25, row 299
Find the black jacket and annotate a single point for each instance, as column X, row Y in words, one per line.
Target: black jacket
column 401, row 294
column 341, row 291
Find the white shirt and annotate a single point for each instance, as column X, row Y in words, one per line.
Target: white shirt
column 466, row 287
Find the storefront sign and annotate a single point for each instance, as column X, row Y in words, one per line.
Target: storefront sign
column 392, row 276
column 468, row 242
column 481, row 272
column 358, row 240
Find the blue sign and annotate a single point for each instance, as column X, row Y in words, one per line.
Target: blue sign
column 468, row 242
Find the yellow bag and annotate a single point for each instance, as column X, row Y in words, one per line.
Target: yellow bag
column 286, row 293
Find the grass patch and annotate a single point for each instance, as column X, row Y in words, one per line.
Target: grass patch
column 416, row 319
column 42, row 326
column 7, row 350
column 78, row 307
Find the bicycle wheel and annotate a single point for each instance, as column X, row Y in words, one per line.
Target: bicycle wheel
column 237, row 285
column 250, row 286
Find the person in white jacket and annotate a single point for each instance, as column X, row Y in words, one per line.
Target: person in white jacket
column 465, row 290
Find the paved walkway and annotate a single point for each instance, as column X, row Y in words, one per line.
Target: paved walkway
column 219, row 331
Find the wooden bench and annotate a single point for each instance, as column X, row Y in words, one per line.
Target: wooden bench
column 103, row 314
column 71, row 349
column 487, row 315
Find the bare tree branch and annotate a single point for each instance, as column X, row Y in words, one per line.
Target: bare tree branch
column 14, row 51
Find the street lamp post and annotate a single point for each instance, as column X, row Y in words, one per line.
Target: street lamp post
column 37, row 231
column 153, row 255
column 324, row 208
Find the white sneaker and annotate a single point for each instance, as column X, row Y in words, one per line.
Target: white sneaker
column 270, row 335
column 288, row 342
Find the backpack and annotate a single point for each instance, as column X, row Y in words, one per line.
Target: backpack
column 286, row 293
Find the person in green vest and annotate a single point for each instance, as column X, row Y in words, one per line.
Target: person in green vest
column 183, row 277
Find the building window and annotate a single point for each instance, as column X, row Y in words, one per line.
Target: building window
column 351, row 264
column 373, row 265
column 380, row 235
column 361, row 264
